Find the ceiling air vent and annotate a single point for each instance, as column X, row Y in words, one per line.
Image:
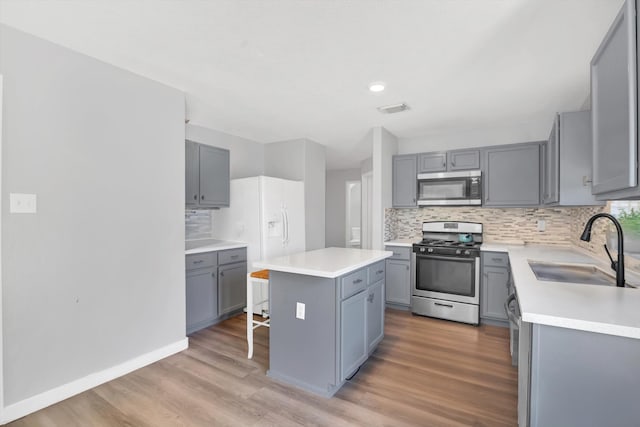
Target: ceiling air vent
column 395, row 108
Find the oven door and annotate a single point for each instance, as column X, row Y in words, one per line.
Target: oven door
column 450, row 278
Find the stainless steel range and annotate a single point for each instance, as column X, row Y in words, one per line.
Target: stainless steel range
column 447, row 282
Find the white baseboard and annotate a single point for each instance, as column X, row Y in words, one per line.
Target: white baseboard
column 42, row 400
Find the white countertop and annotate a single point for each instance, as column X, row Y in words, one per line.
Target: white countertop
column 208, row 245
column 328, row 262
column 401, row 242
column 603, row 309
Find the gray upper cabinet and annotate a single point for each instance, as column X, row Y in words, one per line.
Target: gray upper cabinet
column 463, row 160
column 192, row 176
column 567, row 161
column 512, row 175
column 432, row 162
column 614, row 109
column 214, row 176
column 207, row 176
column 405, row 184
column 457, row 160
column 551, row 158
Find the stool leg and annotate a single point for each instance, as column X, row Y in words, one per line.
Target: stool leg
column 249, row 316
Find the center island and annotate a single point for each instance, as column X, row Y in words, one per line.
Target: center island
column 327, row 315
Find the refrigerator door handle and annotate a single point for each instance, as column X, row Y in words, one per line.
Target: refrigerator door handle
column 284, row 226
column 286, row 216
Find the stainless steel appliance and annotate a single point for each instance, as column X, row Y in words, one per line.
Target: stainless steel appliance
column 450, row 188
column 447, row 282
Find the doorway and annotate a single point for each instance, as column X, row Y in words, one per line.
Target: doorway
column 353, row 203
column 366, row 231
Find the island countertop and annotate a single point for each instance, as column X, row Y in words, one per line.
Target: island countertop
column 328, row 262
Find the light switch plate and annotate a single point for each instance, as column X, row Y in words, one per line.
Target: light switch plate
column 22, row 203
column 541, row 225
column 300, row 310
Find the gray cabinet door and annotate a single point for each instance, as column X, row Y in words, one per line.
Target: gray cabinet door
column 405, row 182
column 375, row 315
column 613, row 103
column 398, row 282
column 512, row 175
column 201, row 299
column 191, row 169
column 494, row 292
column 432, row 162
column 353, row 338
column 214, row 176
column 464, row 160
column 552, row 165
column 232, row 287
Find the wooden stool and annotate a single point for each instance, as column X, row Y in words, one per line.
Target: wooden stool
column 260, row 277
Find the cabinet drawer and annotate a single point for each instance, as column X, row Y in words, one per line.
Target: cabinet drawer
column 376, row 272
column 353, row 283
column 232, row 255
column 207, row 259
column 399, row 252
column 497, row 259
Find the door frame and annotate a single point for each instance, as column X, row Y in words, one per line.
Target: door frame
column 347, row 211
column 366, row 223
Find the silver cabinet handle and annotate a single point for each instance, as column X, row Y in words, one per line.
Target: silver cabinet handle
column 202, row 197
column 234, row 256
column 200, row 261
column 444, row 164
column 370, row 298
column 407, row 267
column 195, row 197
column 355, row 282
column 379, row 271
column 496, row 259
column 453, row 162
column 222, row 274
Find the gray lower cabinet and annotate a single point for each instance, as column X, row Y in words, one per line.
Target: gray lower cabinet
column 614, row 84
column 405, row 184
column 399, row 274
column 512, row 175
column 576, row 378
column 215, row 287
column 375, row 315
column 232, row 288
column 494, row 288
column 201, row 298
column 207, row 179
column 353, row 333
column 342, row 325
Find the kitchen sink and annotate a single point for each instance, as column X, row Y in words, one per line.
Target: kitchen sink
column 572, row 273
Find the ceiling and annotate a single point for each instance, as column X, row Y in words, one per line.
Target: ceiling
column 272, row 70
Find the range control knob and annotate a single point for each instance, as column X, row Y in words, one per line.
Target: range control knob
column 430, row 250
column 422, row 249
column 458, row 251
column 467, row 252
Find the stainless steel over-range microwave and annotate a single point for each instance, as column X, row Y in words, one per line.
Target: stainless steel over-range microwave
column 450, row 188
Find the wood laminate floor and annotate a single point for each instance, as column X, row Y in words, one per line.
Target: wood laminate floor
column 426, row 372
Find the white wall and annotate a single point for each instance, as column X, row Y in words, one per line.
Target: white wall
column 302, row 160
column 95, row 278
column 385, row 145
column 335, row 209
column 508, row 134
column 247, row 157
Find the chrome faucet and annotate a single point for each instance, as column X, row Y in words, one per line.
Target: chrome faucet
column 617, row 266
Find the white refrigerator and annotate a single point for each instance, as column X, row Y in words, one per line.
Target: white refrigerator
column 266, row 213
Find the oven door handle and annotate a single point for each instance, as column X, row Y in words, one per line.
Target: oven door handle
column 511, row 314
column 448, row 258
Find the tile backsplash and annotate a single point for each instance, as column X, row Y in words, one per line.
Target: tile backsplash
column 197, row 224
column 563, row 226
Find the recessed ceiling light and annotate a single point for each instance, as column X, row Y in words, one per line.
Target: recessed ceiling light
column 376, row 87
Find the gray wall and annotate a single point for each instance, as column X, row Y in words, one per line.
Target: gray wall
column 302, row 160
column 246, row 155
column 96, row 277
column 335, row 209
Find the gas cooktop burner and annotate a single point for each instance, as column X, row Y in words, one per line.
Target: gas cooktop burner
column 448, row 243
